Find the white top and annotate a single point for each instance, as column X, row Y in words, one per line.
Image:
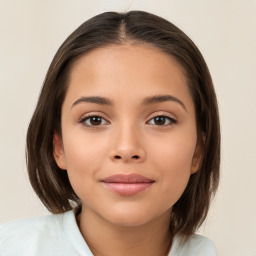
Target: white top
column 59, row 235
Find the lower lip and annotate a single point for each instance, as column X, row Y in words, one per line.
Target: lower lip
column 128, row 189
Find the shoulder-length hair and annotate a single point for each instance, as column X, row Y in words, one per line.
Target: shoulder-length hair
column 52, row 184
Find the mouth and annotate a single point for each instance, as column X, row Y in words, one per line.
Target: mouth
column 127, row 184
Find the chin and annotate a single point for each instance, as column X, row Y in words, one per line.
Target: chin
column 129, row 222
column 129, row 218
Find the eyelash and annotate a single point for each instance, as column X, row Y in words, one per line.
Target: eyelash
column 171, row 120
column 89, row 117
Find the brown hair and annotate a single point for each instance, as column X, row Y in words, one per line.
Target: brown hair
column 52, row 184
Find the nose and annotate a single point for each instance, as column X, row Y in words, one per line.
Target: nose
column 127, row 145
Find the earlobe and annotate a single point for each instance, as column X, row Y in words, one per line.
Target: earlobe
column 58, row 151
column 195, row 165
column 197, row 158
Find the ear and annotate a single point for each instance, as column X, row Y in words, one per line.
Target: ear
column 58, row 151
column 198, row 155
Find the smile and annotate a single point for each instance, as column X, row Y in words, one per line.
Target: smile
column 127, row 184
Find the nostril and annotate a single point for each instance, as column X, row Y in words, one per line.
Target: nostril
column 119, row 157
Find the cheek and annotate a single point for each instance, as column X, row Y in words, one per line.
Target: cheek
column 174, row 162
column 83, row 155
column 176, row 152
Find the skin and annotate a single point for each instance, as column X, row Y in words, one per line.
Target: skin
column 127, row 140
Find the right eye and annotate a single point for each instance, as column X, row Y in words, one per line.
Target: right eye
column 93, row 121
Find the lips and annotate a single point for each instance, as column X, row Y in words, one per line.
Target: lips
column 127, row 184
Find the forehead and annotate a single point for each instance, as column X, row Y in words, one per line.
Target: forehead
column 144, row 56
column 127, row 71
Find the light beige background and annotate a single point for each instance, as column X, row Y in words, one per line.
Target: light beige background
column 225, row 32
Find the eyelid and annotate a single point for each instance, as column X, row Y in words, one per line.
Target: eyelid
column 87, row 116
column 162, row 113
column 173, row 120
column 93, row 113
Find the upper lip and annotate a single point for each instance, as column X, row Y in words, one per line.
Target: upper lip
column 127, row 178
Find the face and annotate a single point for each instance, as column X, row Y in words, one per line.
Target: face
column 129, row 137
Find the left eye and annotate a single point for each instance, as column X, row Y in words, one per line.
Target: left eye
column 162, row 120
column 93, row 121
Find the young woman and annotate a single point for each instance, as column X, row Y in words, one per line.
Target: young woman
column 124, row 145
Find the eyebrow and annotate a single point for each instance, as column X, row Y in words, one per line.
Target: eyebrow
column 146, row 101
column 162, row 98
column 93, row 99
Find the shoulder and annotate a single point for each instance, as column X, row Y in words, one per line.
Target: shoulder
column 22, row 235
column 37, row 225
column 202, row 245
column 195, row 245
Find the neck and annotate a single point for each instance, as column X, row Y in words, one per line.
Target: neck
column 105, row 238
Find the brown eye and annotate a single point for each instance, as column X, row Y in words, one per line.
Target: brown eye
column 162, row 120
column 93, row 121
column 159, row 120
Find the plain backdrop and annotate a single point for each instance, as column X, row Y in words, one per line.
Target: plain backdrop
column 224, row 31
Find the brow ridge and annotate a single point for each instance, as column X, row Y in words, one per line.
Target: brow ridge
column 93, row 99
column 146, row 101
column 162, row 98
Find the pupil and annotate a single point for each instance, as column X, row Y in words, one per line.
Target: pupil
column 96, row 120
column 160, row 120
